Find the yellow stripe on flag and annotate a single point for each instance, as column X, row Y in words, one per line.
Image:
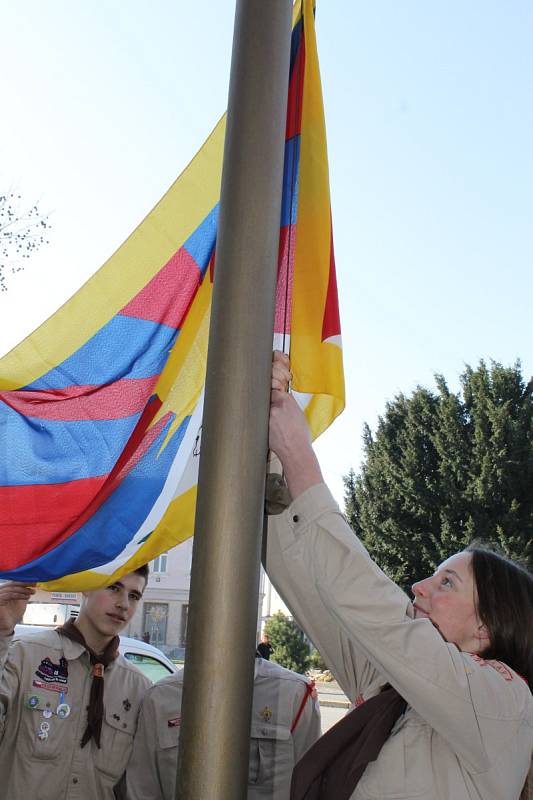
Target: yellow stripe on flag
column 317, row 366
column 176, row 216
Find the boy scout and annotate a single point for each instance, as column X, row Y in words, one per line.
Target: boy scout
column 285, row 723
column 68, row 701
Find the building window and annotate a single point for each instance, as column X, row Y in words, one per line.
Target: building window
column 155, row 623
column 159, row 564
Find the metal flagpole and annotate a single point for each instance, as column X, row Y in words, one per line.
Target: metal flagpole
column 218, row 679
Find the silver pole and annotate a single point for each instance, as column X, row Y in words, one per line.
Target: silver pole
column 218, row 679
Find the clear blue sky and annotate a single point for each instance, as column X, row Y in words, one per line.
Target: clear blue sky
column 429, row 111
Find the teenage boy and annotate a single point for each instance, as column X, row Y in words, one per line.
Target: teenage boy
column 68, row 701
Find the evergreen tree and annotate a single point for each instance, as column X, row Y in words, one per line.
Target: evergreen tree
column 290, row 648
column 443, row 469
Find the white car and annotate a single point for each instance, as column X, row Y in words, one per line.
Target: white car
column 149, row 659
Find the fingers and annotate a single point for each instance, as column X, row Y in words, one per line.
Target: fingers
column 280, row 358
column 281, row 371
column 279, row 398
column 18, row 585
column 15, row 591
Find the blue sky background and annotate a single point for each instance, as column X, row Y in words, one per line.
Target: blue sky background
column 429, row 111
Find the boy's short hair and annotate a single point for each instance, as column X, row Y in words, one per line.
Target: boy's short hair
column 144, row 571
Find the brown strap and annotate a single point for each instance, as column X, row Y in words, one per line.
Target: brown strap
column 333, row 766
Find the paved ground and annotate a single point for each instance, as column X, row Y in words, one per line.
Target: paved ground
column 333, row 703
column 330, row 716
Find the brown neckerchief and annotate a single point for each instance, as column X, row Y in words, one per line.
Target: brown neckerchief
column 95, row 710
column 333, row 766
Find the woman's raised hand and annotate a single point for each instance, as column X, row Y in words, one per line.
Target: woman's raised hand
column 289, row 435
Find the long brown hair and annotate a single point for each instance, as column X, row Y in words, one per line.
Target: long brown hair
column 505, row 606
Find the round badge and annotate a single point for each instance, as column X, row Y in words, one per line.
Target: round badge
column 43, row 735
column 47, row 713
column 33, row 701
column 45, row 726
column 63, row 710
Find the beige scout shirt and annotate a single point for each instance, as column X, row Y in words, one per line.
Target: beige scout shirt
column 278, row 695
column 33, row 681
column 468, row 730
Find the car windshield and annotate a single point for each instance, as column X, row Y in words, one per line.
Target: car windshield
column 150, row 666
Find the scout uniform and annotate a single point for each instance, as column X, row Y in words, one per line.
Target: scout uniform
column 467, row 733
column 45, row 682
column 285, row 722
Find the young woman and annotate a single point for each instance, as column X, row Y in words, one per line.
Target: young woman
column 460, row 654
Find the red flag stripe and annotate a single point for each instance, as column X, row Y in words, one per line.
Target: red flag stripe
column 77, row 403
column 44, row 516
column 167, row 297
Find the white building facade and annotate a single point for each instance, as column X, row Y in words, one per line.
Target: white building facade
column 164, row 609
column 162, row 614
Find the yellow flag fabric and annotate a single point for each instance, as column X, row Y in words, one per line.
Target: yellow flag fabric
column 101, row 407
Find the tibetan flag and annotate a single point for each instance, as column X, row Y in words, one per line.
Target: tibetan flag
column 101, row 407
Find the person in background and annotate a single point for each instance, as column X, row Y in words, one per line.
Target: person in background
column 285, row 723
column 68, row 701
column 264, row 648
column 441, row 684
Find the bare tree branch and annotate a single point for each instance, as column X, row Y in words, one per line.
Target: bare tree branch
column 23, row 230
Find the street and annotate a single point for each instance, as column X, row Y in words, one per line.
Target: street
column 333, row 703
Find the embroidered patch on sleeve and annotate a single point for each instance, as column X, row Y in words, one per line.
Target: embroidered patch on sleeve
column 499, row 666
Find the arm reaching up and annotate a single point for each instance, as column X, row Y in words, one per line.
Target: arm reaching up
column 289, row 436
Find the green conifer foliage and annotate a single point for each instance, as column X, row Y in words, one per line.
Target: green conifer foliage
column 290, row 647
column 443, row 469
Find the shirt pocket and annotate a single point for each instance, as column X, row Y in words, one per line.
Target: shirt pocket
column 48, row 736
column 165, row 762
column 271, row 755
column 116, row 742
column 168, row 729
